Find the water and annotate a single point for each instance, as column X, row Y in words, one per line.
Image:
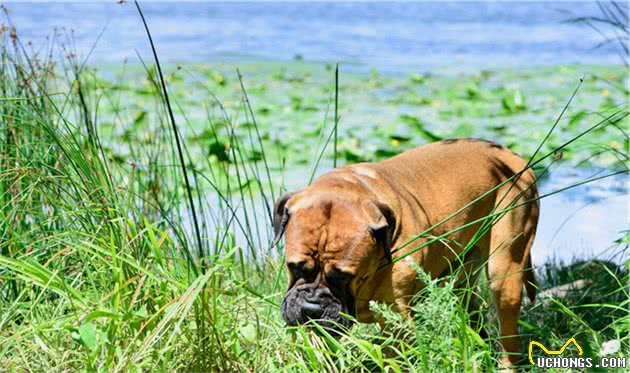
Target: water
column 584, row 221
column 580, row 222
column 386, row 36
column 392, row 37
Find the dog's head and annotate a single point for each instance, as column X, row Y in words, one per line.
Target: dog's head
column 334, row 245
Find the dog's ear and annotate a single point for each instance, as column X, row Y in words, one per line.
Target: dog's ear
column 280, row 217
column 383, row 226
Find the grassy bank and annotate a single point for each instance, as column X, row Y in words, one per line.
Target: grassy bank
column 100, row 266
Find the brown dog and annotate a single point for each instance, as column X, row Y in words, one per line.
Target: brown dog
column 341, row 230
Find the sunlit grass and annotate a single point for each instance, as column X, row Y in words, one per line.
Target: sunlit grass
column 100, row 265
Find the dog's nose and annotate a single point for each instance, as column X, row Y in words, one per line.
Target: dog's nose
column 312, row 310
column 319, row 295
column 313, row 306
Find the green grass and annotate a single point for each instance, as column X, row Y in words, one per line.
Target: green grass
column 99, row 261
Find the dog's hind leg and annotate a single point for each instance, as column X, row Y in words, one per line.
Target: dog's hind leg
column 508, row 262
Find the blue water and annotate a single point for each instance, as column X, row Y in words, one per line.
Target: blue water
column 386, row 36
column 397, row 37
column 579, row 223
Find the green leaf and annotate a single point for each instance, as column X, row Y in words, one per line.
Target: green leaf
column 140, row 118
column 419, row 126
column 464, row 130
column 400, row 138
column 216, row 76
column 385, row 153
column 101, row 314
column 418, row 78
column 220, row 150
column 472, row 91
column 576, row 118
column 142, row 312
column 513, row 101
column 87, row 332
column 248, row 332
column 475, row 336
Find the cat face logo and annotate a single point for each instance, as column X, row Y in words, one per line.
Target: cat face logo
column 551, row 352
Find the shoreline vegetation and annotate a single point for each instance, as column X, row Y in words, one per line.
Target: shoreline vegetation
column 381, row 114
column 96, row 263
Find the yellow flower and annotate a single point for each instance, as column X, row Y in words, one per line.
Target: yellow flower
column 605, row 92
column 614, row 144
column 394, row 142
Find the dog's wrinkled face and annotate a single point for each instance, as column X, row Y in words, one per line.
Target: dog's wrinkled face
column 332, row 248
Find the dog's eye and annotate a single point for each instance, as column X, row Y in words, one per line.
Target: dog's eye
column 299, row 269
column 338, row 278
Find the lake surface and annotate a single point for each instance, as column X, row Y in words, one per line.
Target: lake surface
column 584, row 221
column 386, row 36
column 578, row 223
column 392, row 37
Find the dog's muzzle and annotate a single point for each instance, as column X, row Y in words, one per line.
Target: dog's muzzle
column 307, row 303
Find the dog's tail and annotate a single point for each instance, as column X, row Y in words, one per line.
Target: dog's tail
column 530, row 280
